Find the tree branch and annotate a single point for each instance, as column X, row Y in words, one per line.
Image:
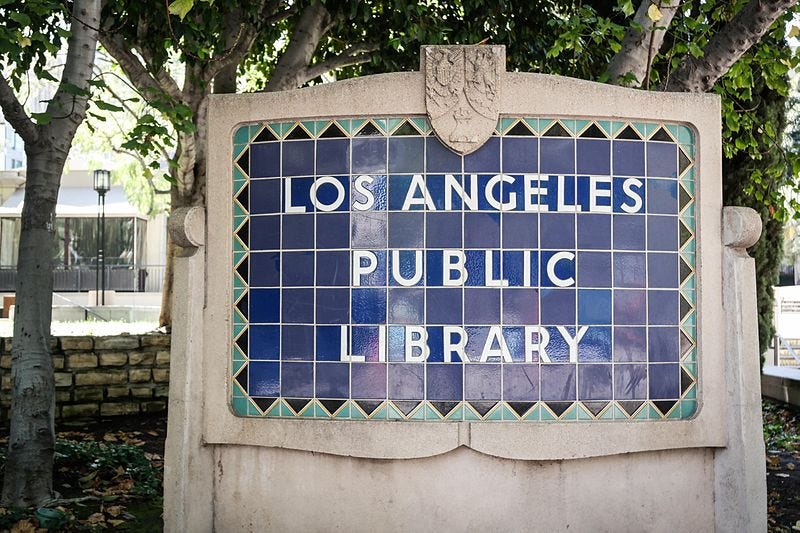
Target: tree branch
column 726, row 47
column 15, row 114
column 352, row 56
column 307, row 34
column 141, row 75
column 641, row 43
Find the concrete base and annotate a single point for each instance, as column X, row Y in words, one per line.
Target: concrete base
column 781, row 383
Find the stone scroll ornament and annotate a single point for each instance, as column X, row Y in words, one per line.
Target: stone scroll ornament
column 462, row 93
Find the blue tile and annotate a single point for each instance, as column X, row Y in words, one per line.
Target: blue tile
column 513, row 267
column 265, row 306
column 594, row 306
column 443, row 306
column 477, row 336
column 332, row 193
column 368, row 381
column 515, row 341
column 557, row 230
column 264, row 342
column 406, row 381
column 370, row 193
column 265, row 233
column 434, row 184
column 593, row 156
column 662, row 307
column 557, row 349
column 563, row 270
column 439, row 158
column 265, row 160
column 665, row 382
column 373, row 263
column 520, row 155
column 333, row 230
column 520, row 307
column 298, row 231
column 444, row 382
column 265, row 379
column 265, row 269
column 481, row 306
column 332, row 306
column 481, row 230
column 369, row 229
column 406, row 305
column 407, row 267
column 630, row 382
column 333, row 156
column 477, row 186
column 482, row 382
column 594, row 269
column 595, row 346
column 406, row 154
column 662, row 160
column 396, row 343
column 662, row 233
column 298, row 269
column 328, row 343
column 366, row 342
column 433, row 267
column 406, row 230
column 484, row 159
column 443, row 230
column 298, row 158
column 297, row 380
column 560, row 193
column 629, row 232
column 630, row 269
column 594, row 193
column 630, row 307
column 333, row 380
column 300, row 192
column 333, row 268
column 628, row 195
column 399, row 186
column 630, row 344
column 521, row 383
column 663, row 345
column 557, row 156
column 520, row 230
column 662, row 270
column 662, row 196
column 594, row 382
column 628, row 158
column 265, row 197
column 558, row 306
column 297, row 343
column 369, row 155
column 297, row 306
column 558, row 382
column 594, row 231
column 369, row 306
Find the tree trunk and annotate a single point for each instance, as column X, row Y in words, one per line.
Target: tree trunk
column 29, row 467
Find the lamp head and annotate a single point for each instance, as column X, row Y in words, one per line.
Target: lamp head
column 102, row 181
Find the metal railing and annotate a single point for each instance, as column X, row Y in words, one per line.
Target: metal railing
column 142, row 278
column 782, row 346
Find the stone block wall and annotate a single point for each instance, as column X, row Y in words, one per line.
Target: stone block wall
column 101, row 376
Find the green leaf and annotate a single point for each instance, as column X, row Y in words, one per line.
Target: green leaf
column 626, row 6
column 21, row 18
column 105, row 106
column 42, row 118
column 181, row 7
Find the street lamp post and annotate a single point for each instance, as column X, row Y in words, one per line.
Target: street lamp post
column 102, row 184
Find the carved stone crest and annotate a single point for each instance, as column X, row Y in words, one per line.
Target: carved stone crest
column 462, row 93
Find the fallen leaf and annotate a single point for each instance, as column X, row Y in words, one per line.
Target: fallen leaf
column 95, row 518
column 23, row 526
column 116, row 523
column 793, row 32
column 790, row 466
column 782, row 475
column 152, row 433
column 114, row 510
column 108, row 437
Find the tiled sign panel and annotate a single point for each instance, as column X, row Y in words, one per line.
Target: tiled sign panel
column 550, row 275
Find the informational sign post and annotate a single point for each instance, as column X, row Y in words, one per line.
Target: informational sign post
column 546, row 275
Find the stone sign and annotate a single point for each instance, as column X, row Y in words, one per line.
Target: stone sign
column 400, row 279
